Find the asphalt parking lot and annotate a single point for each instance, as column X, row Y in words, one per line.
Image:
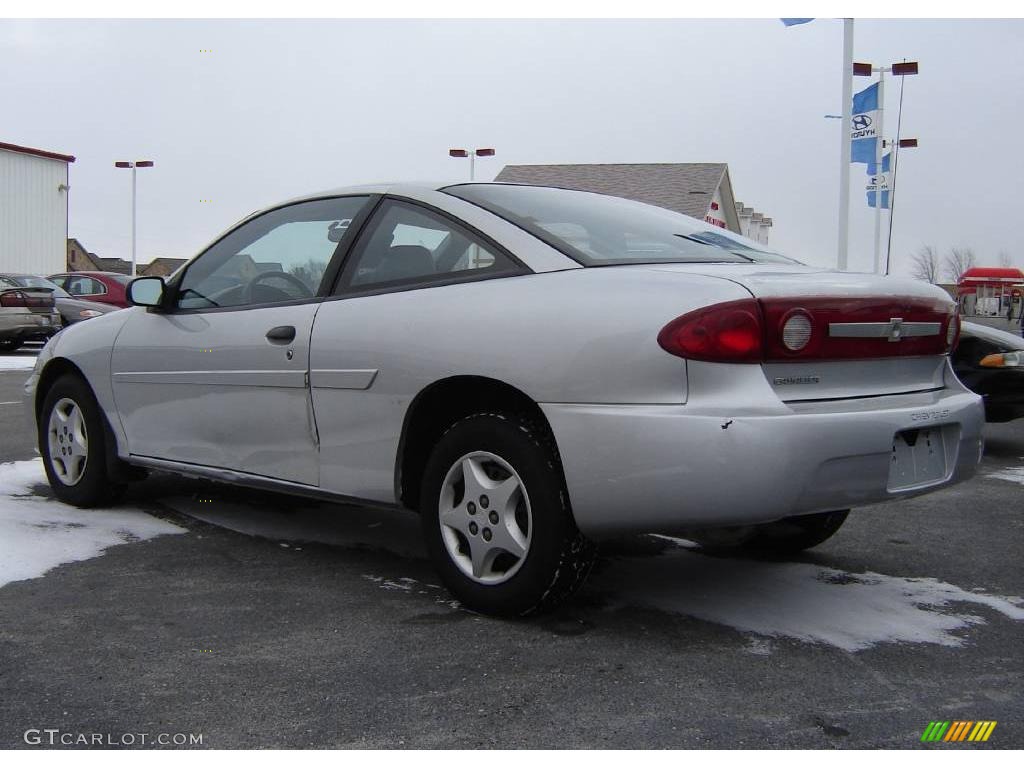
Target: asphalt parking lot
column 261, row 621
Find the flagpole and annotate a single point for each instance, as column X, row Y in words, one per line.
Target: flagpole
column 894, row 161
column 844, row 146
column 879, row 170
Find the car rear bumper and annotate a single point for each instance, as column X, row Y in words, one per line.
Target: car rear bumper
column 633, row 468
column 29, row 326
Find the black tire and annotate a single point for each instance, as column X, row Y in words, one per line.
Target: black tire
column 9, row 345
column 95, row 487
column 782, row 537
column 559, row 557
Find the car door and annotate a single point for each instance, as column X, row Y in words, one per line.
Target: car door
column 366, row 362
column 220, row 377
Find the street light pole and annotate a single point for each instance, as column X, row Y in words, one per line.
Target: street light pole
column 483, row 152
column 134, row 209
column 897, row 146
column 844, row 146
column 879, row 169
column 134, row 166
column 879, row 179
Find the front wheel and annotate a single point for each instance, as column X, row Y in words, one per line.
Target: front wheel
column 782, row 537
column 497, row 520
column 72, row 442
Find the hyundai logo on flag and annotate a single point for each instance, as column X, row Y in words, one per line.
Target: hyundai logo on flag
column 861, row 122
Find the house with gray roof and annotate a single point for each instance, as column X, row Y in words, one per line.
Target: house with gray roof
column 701, row 190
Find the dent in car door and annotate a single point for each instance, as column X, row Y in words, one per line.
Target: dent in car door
column 212, row 389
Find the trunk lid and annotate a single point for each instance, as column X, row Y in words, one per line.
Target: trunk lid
column 765, row 281
column 38, row 300
column 872, row 335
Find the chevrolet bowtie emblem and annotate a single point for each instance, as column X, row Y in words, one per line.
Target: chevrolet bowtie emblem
column 895, row 329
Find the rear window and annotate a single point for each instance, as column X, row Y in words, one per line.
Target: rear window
column 598, row 230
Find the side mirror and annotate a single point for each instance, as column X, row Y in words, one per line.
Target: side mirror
column 146, row 291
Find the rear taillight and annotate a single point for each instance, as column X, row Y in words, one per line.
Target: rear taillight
column 953, row 333
column 722, row 333
column 29, row 298
column 786, row 329
column 13, row 299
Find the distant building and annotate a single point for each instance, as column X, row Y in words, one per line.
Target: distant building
column 753, row 224
column 33, row 209
column 120, row 266
column 81, row 259
column 161, row 266
column 989, row 290
column 701, row 190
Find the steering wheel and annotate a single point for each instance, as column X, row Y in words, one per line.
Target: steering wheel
column 250, row 288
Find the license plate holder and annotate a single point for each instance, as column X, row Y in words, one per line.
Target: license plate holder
column 918, row 458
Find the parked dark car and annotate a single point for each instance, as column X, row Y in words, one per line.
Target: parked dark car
column 26, row 314
column 102, row 287
column 991, row 363
column 71, row 310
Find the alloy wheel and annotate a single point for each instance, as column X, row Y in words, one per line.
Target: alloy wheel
column 485, row 516
column 68, row 441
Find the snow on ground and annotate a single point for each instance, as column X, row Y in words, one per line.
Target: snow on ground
column 802, row 601
column 1013, row 474
column 39, row 533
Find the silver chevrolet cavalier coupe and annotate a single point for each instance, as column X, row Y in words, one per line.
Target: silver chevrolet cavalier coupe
column 531, row 369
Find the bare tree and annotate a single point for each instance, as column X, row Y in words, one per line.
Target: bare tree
column 1004, row 259
column 958, row 261
column 925, row 264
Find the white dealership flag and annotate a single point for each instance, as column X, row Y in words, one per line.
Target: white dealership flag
column 878, row 180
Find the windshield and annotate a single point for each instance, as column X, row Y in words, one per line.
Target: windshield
column 598, row 230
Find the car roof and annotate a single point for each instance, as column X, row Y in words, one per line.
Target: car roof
column 994, row 335
column 380, row 188
column 94, row 273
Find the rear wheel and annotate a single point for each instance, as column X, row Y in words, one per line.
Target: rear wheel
column 782, row 537
column 496, row 517
column 72, row 442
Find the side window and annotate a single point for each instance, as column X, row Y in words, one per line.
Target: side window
column 77, row 286
column 406, row 244
column 277, row 257
column 94, row 287
column 59, row 280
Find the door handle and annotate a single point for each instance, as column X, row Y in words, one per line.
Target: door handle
column 282, row 334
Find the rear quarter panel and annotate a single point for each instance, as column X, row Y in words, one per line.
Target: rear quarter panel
column 575, row 336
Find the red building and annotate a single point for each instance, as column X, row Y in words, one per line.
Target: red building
column 989, row 290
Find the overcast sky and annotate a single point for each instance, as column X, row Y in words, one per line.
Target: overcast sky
column 281, row 108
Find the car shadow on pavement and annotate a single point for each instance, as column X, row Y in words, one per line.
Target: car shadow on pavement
column 809, row 598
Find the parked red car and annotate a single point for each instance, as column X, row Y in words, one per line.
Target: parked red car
column 104, row 287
